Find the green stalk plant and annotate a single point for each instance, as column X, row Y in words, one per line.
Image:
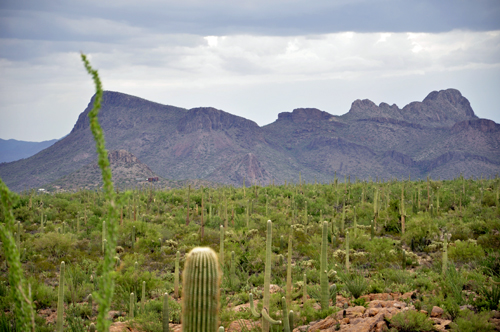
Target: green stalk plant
column 106, row 281
column 23, row 305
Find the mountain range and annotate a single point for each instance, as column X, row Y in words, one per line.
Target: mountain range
column 440, row 137
column 11, row 149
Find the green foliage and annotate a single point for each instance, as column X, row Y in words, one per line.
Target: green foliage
column 468, row 321
column 465, row 252
column 411, row 321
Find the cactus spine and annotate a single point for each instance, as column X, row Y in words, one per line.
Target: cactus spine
column 176, row 275
column 60, row 300
column 347, row 250
column 201, row 279
column 323, row 266
column 165, row 316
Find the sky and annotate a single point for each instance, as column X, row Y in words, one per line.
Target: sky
column 252, row 58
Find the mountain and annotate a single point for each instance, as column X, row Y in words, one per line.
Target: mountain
column 11, row 149
column 128, row 172
column 439, row 137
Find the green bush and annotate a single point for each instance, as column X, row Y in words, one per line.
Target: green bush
column 468, row 321
column 411, row 321
column 465, row 252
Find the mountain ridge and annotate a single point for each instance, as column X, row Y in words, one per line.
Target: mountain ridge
column 383, row 141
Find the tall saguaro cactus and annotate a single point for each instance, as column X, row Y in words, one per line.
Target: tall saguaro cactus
column 165, row 314
column 60, row 300
column 221, row 250
column 347, row 250
column 176, row 275
column 267, row 274
column 201, row 280
column 289, row 270
column 323, row 266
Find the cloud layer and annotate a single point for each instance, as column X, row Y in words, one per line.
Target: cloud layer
column 253, row 58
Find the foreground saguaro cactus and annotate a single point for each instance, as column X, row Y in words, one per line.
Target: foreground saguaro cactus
column 201, row 280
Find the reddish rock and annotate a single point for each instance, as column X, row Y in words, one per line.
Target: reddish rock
column 437, row 312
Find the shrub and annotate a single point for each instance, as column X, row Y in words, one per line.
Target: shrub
column 466, row 252
column 470, row 322
column 411, row 321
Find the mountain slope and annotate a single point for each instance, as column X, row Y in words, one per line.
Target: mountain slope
column 440, row 136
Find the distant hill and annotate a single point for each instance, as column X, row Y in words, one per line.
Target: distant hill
column 439, row 137
column 11, row 149
column 128, row 173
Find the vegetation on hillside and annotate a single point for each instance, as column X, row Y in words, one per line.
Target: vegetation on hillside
column 463, row 213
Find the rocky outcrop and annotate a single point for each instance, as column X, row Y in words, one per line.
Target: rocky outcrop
column 303, row 115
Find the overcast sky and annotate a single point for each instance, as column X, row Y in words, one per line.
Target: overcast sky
column 250, row 58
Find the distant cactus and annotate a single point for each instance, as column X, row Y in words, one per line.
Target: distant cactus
column 201, row 279
column 133, row 237
column 289, row 270
column 323, row 267
column 304, row 289
column 445, row 255
column 176, row 275
column 60, row 300
column 92, row 327
column 131, row 306
column 347, row 250
column 143, row 297
column 221, row 250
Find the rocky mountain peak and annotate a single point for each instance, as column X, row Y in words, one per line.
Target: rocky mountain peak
column 304, row 114
column 449, row 99
column 211, row 119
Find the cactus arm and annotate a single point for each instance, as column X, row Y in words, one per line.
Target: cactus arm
column 267, row 318
column 252, row 307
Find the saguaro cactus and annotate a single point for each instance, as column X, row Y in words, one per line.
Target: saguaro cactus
column 289, row 270
column 131, row 306
column 60, row 300
column 221, row 250
column 133, row 237
column 445, row 255
column 176, row 275
column 165, row 313
column 143, row 297
column 201, row 280
column 347, row 250
column 304, row 289
column 267, row 274
column 323, row 266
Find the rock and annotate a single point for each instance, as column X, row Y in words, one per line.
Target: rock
column 243, row 325
column 437, row 312
column 323, row 324
column 274, row 289
column 495, row 314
